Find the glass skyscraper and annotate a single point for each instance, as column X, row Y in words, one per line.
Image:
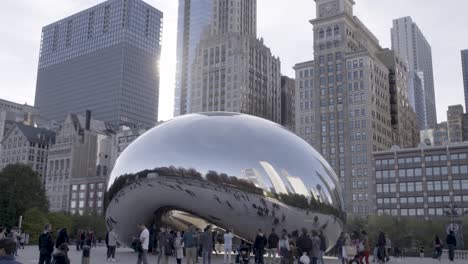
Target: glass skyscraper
column 104, row 59
column 194, row 18
column 409, row 42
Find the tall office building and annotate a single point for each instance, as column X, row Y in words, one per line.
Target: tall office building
column 409, row 42
column 288, row 106
column 404, row 121
column 343, row 100
column 104, row 59
column 193, row 20
column 464, row 55
column 233, row 70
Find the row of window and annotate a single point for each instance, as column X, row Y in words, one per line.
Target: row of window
column 416, row 159
column 418, row 186
column 91, row 186
column 417, row 172
column 417, row 211
column 81, row 204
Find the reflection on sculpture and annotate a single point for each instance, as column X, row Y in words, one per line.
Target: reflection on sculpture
column 226, row 169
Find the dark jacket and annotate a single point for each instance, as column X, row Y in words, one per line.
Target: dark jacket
column 260, row 242
column 451, row 240
column 46, row 244
column 304, row 244
column 323, row 244
column 273, row 240
column 61, row 238
column 206, row 240
column 8, row 260
column 60, row 257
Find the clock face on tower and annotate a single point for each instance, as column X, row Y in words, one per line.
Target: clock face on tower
column 328, row 9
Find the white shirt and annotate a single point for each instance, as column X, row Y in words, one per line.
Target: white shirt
column 144, row 236
column 228, row 240
column 304, row 259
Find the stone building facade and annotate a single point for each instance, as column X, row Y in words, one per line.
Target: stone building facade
column 422, row 182
column 28, row 145
column 343, row 100
column 81, row 156
column 233, row 70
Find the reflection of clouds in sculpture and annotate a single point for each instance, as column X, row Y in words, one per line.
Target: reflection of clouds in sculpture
column 226, row 169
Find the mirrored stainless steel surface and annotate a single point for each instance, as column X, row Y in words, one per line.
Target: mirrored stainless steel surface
column 232, row 170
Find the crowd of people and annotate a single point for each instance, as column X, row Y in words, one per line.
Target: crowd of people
column 195, row 245
column 356, row 248
column 20, row 238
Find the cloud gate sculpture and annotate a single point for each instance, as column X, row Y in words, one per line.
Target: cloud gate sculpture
column 231, row 170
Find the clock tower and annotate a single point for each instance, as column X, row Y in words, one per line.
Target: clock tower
column 328, row 8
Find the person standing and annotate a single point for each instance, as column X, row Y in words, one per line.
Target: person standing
column 284, row 248
column 227, row 246
column 315, row 251
column 46, row 245
column 304, row 243
column 14, row 234
column 111, row 245
column 451, row 242
column 323, row 247
column 144, row 240
column 388, row 248
column 273, row 240
column 259, row 246
column 62, row 237
column 438, row 248
column 179, row 247
column 2, row 232
column 190, row 244
column 7, row 250
column 207, row 245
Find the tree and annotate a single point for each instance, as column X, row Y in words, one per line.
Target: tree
column 60, row 220
column 34, row 221
column 21, row 190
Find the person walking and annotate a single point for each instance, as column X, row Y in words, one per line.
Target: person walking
column 259, row 246
column 166, row 243
column 62, row 237
column 190, row 244
column 346, row 246
column 111, row 242
column 227, row 246
column 7, row 250
column 207, row 245
column 304, row 243
column 179, row 247
column 15, row 235
column 284, row 249
column 339, row 247
column 381, row 247
column 365, row 246
column 451, row 242
column 438, row 248
column 273, row 240
column 388, row 248
column 46, row 245
column 144, row 240
column 315, row 251
column 61, row 254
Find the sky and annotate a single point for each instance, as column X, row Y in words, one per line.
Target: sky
column 283, row 24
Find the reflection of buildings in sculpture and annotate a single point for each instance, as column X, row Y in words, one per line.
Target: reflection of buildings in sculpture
column 324, row 194
column 254, row 176
column 295, row 184
column 274, row 177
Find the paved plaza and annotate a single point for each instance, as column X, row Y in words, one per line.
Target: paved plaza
column 29, row 255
